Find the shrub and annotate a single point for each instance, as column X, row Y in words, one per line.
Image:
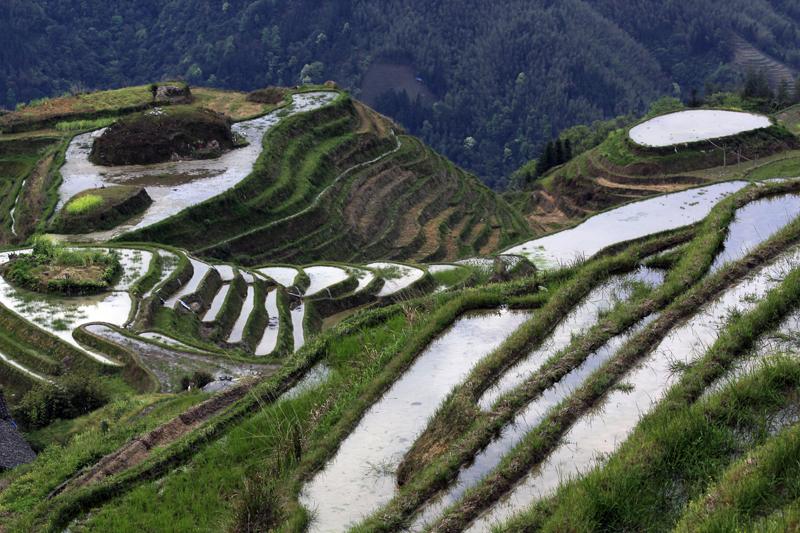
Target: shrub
column 85, row 204
column 69, row 396
column 199, row 378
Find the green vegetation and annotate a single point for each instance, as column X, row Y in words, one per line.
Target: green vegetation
column 82, row 125
column 53, row 267
column 68, row 397
column 154, row 136
column 85, row 204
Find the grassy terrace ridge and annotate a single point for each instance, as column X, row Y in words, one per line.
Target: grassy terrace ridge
column 342, row 185
column 350, row 156
column 459, row 430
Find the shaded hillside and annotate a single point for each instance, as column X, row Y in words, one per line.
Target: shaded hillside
column 508, row 75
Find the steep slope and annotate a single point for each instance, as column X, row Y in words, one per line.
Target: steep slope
column 338, row 183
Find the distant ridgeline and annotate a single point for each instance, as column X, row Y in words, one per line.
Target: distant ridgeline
column 511, row 75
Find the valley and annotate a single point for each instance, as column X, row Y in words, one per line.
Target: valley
column 335, row 328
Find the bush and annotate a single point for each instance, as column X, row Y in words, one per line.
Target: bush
column 67, row 397
column 199, row 378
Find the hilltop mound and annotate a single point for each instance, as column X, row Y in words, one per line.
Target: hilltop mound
column 155, row 135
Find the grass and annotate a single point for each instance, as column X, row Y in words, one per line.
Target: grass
column 789, row 168
column 72, row 444
column 449, row 278
column 84, row 125
column 85, row 204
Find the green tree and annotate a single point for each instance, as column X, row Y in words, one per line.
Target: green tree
column 664, row 105
column 312, row 73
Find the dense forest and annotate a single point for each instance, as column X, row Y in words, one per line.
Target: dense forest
column 506, row 76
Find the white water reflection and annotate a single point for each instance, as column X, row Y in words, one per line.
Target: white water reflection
column 60, row 315
column 617, row 289
column 298, row 315
column 359, row 478
column 630, row 221
column 619, row 411
column 174, row 185
column 282, row 275
column 216, row 303
column 247, row 307
column 364, row 277
column 397, row 276
column 200, row 270
column 270, row 337
column 323, row 277
column 695, row 125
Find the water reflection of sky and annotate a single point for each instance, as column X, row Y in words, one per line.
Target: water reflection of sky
column 623, row 223
column 695, row 125
column 174, row 185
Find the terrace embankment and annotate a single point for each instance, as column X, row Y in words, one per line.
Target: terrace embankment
column 337, row 183
column 620, row 170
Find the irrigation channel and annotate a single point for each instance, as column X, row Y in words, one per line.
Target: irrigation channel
column 174, row 186
column 363, row 467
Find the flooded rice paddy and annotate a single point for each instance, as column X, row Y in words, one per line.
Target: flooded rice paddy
column 216, row 303
column 247, row 307
column 623, row 223
column 282, row 275
column 225, row 272
column 511, row 435
column 170, row 365
column 365, row 461
column 323, row 277
column 695, row 125
column 134, row 265
column 60, row 315
column 602, row 298
column 754, row 223
column 21, row 368
column 270, row 338
column 298, row 316
column 200, row 270
column 619, row 411
column 363, row 276
column 397, row 276
column 175, row 185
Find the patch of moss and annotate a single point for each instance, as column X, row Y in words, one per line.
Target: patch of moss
column 100, row 209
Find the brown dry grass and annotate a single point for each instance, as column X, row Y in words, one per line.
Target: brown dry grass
column 494, row 242
column 431, row 231
column 233, row 103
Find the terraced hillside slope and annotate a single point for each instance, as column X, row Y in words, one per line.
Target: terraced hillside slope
column 238, row 383
column 343, row 183
column 620, row 171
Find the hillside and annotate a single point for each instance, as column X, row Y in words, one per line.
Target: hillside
column 510, row 75
column 335, row 328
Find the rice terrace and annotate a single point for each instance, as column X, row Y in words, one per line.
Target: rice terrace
column 278, row 311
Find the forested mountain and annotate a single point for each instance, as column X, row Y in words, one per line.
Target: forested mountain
column 505, row 76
